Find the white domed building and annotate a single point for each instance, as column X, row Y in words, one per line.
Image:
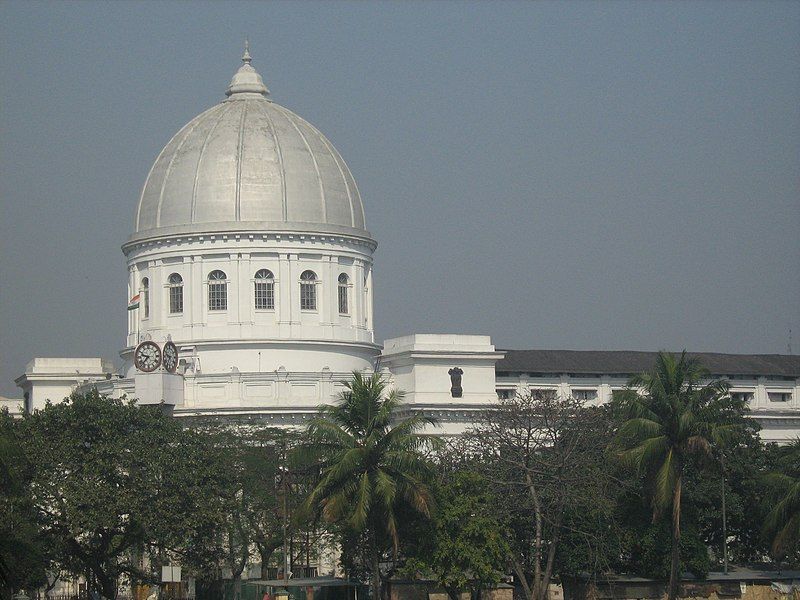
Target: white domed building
column 250, row 254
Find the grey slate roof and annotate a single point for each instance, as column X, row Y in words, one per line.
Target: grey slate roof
column 630, row 362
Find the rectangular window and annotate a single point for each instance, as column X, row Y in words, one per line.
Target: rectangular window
column 308, row 296
column 742, row 396
column 146, row 302
column 176, row 299
column 343, row 299
column 780, row 396
column 217, row 296
column 584, row 394
column 265, row 295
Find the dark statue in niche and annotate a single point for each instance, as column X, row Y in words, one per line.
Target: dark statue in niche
column 455, row 382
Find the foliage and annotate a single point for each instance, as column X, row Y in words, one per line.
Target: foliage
column 370, row 464
column 252, row 515
column 466, row 547
column 544, row 457
column 23, row 556
column 112, row 481
column 674, row 419
column 782, row 525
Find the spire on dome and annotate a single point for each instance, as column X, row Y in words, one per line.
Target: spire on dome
column 246, row 80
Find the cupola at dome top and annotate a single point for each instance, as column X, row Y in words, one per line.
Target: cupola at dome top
column 247, row 80
column 249, row 164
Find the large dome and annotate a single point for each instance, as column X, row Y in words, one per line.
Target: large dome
column 249, row 164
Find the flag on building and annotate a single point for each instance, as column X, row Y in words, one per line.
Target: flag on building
column 134, row 303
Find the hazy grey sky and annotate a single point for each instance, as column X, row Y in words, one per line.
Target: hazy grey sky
column 557, row 175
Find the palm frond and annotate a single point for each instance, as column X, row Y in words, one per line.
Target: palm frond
column 666, row 478
column 363, row 502
column 649, row 452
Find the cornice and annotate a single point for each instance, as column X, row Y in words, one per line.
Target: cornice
column 256, row 231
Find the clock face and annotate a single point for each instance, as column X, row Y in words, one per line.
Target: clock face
column 147, row 356
column 170, row 357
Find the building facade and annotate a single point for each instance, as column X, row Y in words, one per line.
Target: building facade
column 250, row 254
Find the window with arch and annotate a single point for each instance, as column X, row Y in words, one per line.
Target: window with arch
column 264, row 290
column 175, row 285
column 308, row 290
column 344, row 283
column 145, row 297
column 217, row 291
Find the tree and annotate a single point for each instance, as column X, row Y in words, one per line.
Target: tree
column 112, row 481
column 371, row 463
column 466, row 546
column 782, row 525
column 252, row 518
column 544, row 457
column 23, row 555
column 671, row 416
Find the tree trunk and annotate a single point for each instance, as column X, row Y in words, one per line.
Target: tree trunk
column 519, row 572
column 675, row 574
column 108, row 586
column 537, row 540
column 551, row 556
column 376, row 571
column 452, row 593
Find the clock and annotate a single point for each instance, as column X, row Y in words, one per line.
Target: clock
column 147, row 356
column 170, row 354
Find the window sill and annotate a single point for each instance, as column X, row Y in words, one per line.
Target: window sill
column 264, row 310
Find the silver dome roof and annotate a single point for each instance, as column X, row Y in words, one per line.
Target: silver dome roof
column 249, row 164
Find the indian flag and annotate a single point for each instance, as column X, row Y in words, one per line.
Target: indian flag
column 134, row 302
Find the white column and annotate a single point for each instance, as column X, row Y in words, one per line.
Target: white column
column 198, row 293
column 292, row 282
column 283, row 293
column 324, row 289
column 157, row 289
column 131, row 313
column 357, row 296
column 368, row 298
column 760, row 398
column 245, row 290
column 234, row 289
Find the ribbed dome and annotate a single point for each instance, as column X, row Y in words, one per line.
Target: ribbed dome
column 252, row 162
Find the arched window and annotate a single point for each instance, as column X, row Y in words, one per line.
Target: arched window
column 145, row 297
column 217, row 291
column 344, row 283
column 308, row 290
column 265, row 290
column 175, row 285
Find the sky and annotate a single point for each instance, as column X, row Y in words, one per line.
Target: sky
column 562, row 175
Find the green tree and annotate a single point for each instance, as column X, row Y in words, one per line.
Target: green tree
column 112, row 481
column 23, row 556
column 544, row 457
column 671, row 416
column 782, row 525
column 252, row 520
column 371, row 463
column 467, row 546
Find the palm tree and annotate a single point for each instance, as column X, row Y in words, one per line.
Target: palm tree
column 370, row 463
column 670, row 417
column 782, row 524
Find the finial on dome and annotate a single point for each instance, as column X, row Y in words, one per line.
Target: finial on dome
column 246, row 80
